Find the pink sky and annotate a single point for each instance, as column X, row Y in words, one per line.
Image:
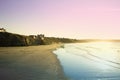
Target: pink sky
column 62, row 18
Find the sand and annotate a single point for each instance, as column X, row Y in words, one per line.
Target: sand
column 30, row 63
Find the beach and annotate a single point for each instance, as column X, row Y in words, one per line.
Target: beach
column 30, row 63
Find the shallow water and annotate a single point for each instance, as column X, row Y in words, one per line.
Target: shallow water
column 90, row 61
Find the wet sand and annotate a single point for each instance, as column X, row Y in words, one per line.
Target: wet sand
column 30, row 63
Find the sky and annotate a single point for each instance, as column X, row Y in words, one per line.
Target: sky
column 81, row 19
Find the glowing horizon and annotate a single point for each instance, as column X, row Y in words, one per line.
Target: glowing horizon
column 82, row 19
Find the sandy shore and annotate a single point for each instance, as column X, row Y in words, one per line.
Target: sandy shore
column 30, row 63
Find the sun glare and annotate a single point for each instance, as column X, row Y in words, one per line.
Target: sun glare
column 106, row 55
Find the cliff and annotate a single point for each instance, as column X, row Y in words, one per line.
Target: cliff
column 10, row 39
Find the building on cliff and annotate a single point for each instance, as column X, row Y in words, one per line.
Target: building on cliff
column 32, row 36
column 37, row 39
column 2, row 30
column 41, row 36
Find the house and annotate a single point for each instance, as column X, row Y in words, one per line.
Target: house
column 2, row 30
column 41, row 36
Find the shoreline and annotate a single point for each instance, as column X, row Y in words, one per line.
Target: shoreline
column 30, row 63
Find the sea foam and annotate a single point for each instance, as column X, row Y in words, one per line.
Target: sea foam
column 90, row 61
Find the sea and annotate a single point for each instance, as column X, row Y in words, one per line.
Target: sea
column 90, row 61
